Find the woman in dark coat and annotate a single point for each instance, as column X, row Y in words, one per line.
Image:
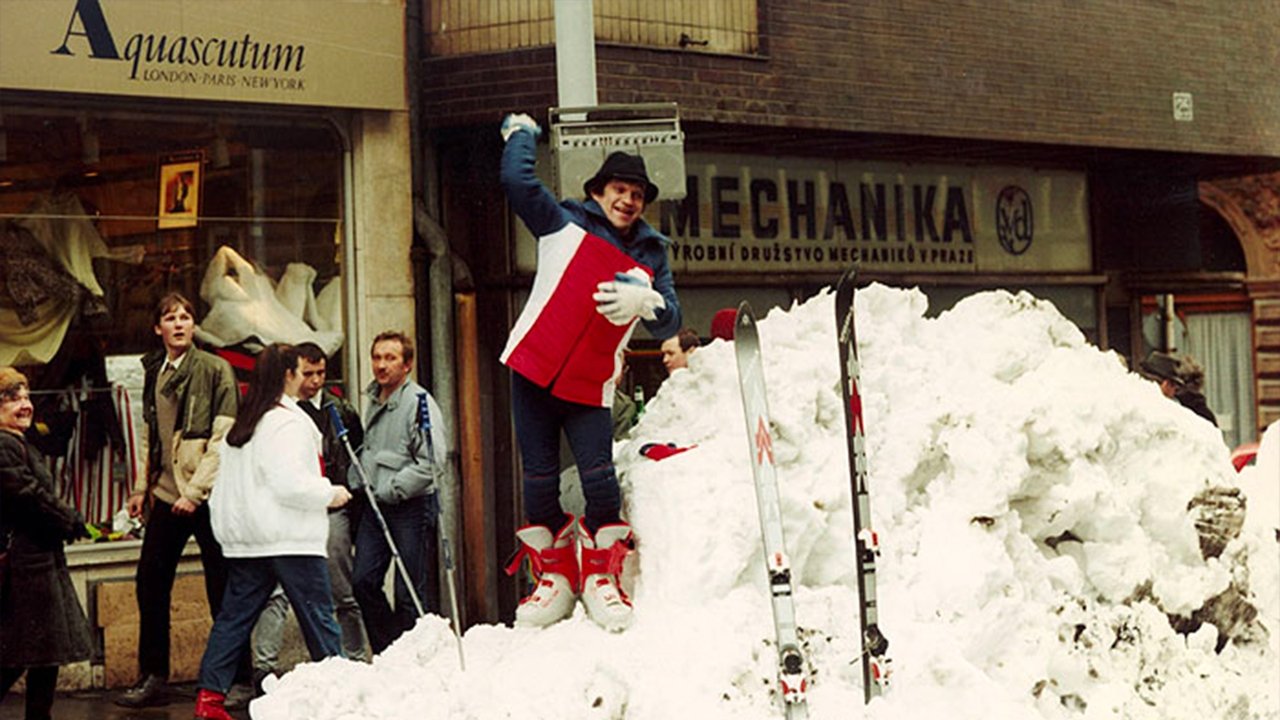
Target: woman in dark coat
column 42, row 625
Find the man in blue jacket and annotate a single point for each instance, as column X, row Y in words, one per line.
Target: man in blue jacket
column 601, row 268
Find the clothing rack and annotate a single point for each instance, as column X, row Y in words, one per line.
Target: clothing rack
column 97, row 484
column 70, row 389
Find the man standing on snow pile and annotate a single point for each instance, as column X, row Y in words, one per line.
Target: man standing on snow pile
column 601, row 267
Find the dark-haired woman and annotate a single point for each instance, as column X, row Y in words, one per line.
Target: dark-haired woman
column 269, row 513
column 42, row 625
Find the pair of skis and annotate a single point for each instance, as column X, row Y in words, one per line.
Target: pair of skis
column 792, row 666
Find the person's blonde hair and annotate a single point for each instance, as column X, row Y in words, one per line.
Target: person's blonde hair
column 11, row 381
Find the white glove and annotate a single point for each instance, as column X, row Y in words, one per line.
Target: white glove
column 519, row 121
column 627, row 297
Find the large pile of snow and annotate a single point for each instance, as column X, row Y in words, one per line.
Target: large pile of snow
column 1031, row 497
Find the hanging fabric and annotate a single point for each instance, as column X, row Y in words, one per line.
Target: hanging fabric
column 97, row 482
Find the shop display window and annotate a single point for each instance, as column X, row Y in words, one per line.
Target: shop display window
column 103, row 212
column 269, row 191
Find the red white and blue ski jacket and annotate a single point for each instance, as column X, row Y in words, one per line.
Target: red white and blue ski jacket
column 560, row 341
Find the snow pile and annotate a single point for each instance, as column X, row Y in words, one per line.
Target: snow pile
column 1032, row 501
column 1261, row 482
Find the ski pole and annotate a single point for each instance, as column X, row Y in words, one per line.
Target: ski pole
column 424, row 425
column 341, row 429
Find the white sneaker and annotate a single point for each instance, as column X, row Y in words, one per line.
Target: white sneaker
column 554, row 563
column 602, row 561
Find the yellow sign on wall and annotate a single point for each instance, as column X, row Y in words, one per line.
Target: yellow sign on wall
column 331, row 53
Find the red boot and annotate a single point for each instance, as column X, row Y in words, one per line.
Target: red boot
column 209, row 706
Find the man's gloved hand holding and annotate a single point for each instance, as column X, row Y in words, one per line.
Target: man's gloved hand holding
column 519, row 121
column 628, row 296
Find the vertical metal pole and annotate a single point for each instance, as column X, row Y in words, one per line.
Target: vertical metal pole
column 258, row 203
column 350, row 289
column 575, row 53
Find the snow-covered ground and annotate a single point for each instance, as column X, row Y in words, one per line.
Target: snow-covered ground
column 1032, row 498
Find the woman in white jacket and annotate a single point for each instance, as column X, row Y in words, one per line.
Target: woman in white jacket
column 269, row 512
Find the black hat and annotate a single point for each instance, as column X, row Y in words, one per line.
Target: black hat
column 623, row 166
column 1162, row 366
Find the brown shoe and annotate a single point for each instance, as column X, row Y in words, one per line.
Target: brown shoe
column 151, row 690
column 239, row 696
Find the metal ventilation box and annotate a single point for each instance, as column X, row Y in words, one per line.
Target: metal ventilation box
column 581, row 138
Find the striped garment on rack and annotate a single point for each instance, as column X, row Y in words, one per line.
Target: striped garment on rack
column 98, row 485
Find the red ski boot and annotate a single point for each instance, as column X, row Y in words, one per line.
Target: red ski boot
column 554, row 561
column 602, row 557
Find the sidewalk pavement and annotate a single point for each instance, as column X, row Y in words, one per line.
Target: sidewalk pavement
column 99, row 705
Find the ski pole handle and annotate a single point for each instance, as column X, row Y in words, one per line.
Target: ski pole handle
column 424, row 425
column 424, row 413
column 336, row 418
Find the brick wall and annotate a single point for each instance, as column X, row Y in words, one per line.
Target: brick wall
column 480, row 89
column 1089, row 72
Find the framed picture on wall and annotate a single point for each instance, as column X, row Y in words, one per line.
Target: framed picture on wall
column 180, row 191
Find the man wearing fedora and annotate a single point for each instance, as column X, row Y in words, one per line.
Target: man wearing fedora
column 601, row 268
column 1181, row 379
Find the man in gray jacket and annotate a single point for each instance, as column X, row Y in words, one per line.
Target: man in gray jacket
column 402, row 472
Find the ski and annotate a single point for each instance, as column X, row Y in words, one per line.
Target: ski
column 793, row 673
column 875, row 661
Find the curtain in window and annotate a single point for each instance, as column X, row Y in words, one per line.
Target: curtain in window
column 1222, row 343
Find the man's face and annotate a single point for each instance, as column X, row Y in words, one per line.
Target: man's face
column 622, row 201
column 312, row 378
column 389, row 366
column 673, row 356
column 177, row 329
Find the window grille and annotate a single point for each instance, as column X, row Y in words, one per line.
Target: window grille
column 459, row 27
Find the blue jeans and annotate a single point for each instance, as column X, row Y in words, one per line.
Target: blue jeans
column 305, row 580
column 269, row 632
column 409, row 523
column 539, row 419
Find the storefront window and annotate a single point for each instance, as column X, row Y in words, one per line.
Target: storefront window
column 104, row 212
column 242, row 216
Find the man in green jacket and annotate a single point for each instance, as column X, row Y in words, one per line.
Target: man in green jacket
column 190, row 400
